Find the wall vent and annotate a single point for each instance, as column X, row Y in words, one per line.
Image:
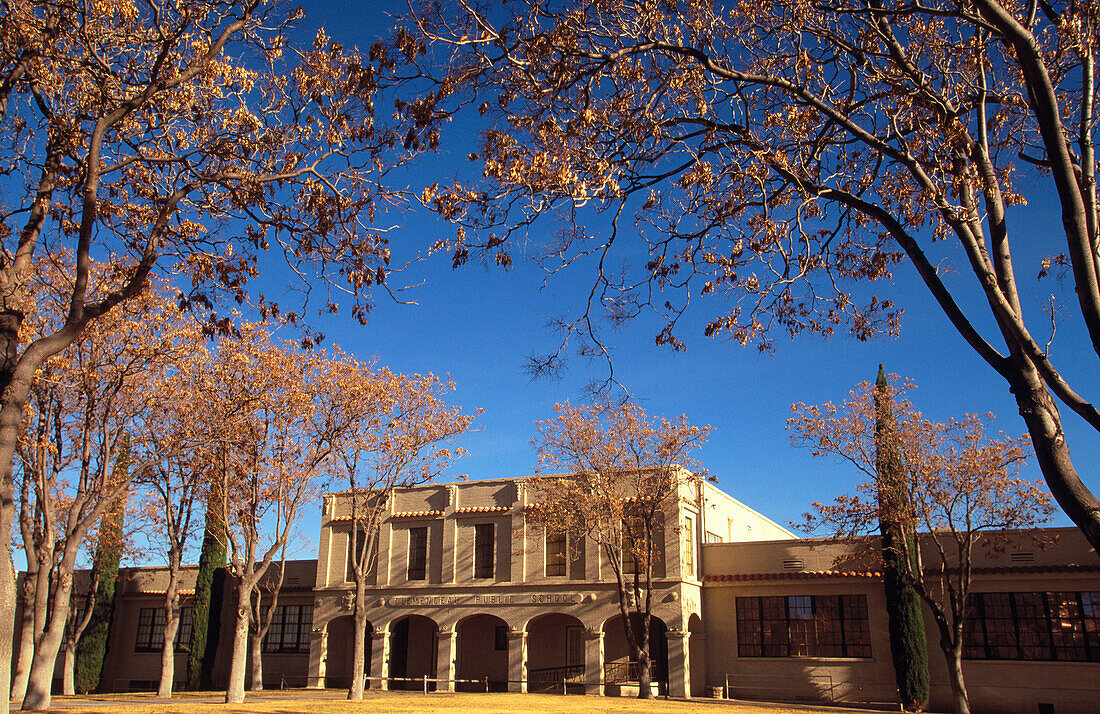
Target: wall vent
column 1020, row 558
column 792, row 564
column 292, row 581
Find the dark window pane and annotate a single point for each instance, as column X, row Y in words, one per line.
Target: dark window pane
column 418, row 553
column 484, row 535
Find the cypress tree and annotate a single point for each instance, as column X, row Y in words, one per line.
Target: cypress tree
column 907, row 639
column 92, row 647
column 207, row 604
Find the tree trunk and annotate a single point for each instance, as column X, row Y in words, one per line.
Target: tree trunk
column 359, row 644
column 168, row 654
column 40, row 681
column 26, row 639
column 68, row 667
column 959, row 698
column 256, row 647
column 234, row 693
column 645, row 680
column 7, row 576
column 1044, row 425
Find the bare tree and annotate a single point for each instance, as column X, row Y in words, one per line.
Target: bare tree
column 629, row 473
column 396, row 426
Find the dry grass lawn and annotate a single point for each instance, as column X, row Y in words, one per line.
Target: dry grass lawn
column 408, row 703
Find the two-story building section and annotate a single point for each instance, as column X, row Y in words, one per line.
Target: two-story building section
column 466, row 590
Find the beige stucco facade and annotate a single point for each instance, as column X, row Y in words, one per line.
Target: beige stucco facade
column 522, row 626
column 559, row 630
column 1061, row 561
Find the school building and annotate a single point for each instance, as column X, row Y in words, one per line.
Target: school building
column 468, row 595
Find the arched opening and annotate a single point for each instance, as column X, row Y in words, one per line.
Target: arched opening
column 341, row 643
column 697, row 665
column 620, row 667
column 555, row 652
column 482, row 654
column 414, row 641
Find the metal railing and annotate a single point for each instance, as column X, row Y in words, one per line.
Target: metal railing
column 619, row 672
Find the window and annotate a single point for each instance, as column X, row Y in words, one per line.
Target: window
column 418, row 553
column 500, row 638
column 183, row 634
column 150, row 632
column 484, row 535
column 689, row 547
column 633, row 545
column 803, row 626
column 354, row 548
column 290, row 629
column 556, row 560
column 1062, row 626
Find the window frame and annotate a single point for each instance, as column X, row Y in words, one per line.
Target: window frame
column 1047, row 626
column 485, row 535
column 150, row 630
column 301, row 624
column 418, row 554
column 561, row 538
column 803, row 626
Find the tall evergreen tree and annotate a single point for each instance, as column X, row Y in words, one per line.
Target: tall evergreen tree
column 92, row 648
column 207, row 604
column 899, row 556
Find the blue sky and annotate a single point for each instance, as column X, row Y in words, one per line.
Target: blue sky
column 477, row 324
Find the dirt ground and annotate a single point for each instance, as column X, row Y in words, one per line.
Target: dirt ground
column 411, row 703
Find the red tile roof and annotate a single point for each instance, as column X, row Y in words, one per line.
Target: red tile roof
column 484, row 509
column 417, row 514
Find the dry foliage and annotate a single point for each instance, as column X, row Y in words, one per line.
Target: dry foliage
column 628, row 472
column 783, row 156
column 965, row 499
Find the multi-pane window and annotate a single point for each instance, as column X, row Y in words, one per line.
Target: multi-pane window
column 355, row 547
column 633, row 544
column 183, row 635
column 484, row 537
column 150, row 632
column 803, row 626
column 556, row 559
column 418, row 553
column 290, row 629
column 1034, row 626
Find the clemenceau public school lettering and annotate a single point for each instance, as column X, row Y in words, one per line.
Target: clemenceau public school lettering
column 486, row 599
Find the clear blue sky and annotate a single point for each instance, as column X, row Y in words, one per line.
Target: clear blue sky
column 477, row 324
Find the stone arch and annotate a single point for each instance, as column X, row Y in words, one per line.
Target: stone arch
column 414, row 642
column 555, row 651
column 620, row 666
column 341, row 642
column 481, row 653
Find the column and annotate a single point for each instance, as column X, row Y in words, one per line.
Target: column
column 379, row 659
column 592, row 560
column 318, row 657
column 445, row 661
column 679, row 676
column 517, row 661
column 593, row 661
column 450, row 535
